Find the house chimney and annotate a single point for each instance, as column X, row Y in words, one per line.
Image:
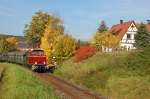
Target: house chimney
column 121, row 21
column 148, row 21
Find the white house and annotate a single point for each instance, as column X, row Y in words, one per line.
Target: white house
column 125, row 32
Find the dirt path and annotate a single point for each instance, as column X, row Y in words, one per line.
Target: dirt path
column 72, row 91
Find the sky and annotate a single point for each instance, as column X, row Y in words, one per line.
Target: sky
column 81, row 17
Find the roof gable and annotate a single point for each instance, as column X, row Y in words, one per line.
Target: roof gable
column 120, row 29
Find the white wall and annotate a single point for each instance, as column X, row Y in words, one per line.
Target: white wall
column 128, row 43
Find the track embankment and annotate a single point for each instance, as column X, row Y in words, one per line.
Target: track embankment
column 70, row 90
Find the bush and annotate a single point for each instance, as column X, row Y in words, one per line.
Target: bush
column 84, row 53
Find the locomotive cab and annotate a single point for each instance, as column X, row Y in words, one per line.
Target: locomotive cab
column 37, row 59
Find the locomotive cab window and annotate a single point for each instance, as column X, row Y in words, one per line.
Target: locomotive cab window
column 37, row 53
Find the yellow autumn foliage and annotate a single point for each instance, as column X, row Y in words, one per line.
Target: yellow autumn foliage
column 54, row 28
column 12, row 43
column 46, row 47
column 12, row 40
column 106, row 39
column 64, row 47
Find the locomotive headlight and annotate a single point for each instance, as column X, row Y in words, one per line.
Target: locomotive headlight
column 44, row 62
column 35, row 62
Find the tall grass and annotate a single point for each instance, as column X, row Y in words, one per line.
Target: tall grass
column 19, row 83
column 117, row 76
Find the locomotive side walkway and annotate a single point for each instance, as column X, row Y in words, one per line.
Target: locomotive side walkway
column 72, row 91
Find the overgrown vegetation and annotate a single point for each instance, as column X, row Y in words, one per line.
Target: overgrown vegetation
column 115, row 75
column 19, row 83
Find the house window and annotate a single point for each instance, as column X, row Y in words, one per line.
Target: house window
column 113, row 33
column 128, row 36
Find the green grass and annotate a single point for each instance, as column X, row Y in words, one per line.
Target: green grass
column 19, row 83
column 118, row 76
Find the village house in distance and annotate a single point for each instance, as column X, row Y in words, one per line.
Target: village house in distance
column 125, row 32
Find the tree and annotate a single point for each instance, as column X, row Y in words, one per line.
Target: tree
column 8, row 44
column 64, row 47
column 54, row 28
column 110, row 41
column 102, row 28
column 13, row 42
column 142, row 38
column 35, row 29
column 4, row 45
column 106, row 40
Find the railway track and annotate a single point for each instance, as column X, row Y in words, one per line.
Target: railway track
column 72, row 91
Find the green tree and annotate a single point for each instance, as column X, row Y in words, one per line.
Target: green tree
column 142, row 38
column 78, row 44
column 35, row 29
column 103, row 27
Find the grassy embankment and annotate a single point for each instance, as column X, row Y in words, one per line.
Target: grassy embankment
column 118, row 76
column 19, row 83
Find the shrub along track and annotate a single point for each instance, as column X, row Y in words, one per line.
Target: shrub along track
column 70, row 90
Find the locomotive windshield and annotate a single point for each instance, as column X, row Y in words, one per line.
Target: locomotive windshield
column 37, row 53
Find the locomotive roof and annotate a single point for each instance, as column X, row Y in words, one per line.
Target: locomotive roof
column 37, row 50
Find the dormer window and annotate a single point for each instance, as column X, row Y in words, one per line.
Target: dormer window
column 128, row 36
column 132, row 26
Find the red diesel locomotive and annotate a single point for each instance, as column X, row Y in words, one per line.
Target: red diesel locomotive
column 35, row 59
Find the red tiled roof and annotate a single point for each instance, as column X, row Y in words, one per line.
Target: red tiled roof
column 120, row 29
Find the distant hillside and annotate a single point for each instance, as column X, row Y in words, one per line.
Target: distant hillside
column 5, row 36
column 21, row 39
